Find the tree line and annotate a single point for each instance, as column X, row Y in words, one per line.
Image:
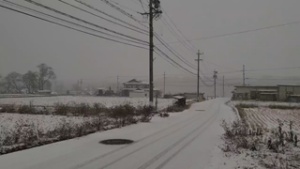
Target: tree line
column 31, row 82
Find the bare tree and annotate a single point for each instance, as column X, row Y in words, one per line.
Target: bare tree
column 45, row 74
column 30, row 81
column 13, row 82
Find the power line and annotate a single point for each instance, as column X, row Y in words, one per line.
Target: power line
column 180, row 57
column 240, row 32
column 141, row 4
column 124, row 6
column 165, row 22
column 187, row 70
column 193, row 48
column 104, row 13
column 176, row 54
column 121, row 10
column 95, row 35
column 102, row 17
column 66, row 21
column 84, row 21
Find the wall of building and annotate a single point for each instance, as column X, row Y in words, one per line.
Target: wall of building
column 194, row 96
column 286, row 91
column 135, row 94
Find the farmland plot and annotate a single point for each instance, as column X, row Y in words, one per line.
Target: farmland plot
column 21, row 131
column 268, row 119
column 263, row 134
column 107, row 101
column 263, row 104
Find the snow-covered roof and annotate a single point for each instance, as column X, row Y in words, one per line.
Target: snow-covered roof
column 136, row 82
column 179, row 97
column 267, row 90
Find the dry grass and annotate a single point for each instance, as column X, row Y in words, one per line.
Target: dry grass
column 269, row 135
column 26, row 134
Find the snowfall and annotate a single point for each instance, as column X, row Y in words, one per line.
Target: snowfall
column 189, row 139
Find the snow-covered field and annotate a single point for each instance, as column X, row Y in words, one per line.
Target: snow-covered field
column 43, row 123
column 107, row 101
column 262, row 104
column 183, row 140
column 281, row 155
column 267, row 118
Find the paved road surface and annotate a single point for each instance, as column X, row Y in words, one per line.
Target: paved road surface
column 182, row 141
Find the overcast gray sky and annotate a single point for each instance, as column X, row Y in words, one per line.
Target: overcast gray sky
column 25, row 42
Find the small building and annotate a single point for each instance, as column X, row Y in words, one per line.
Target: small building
column 138, row 94
column 136, row 84
column 101, row 91
column 194, row 96
column 134, row 88
column 46, row 92
column 265, row 93
column 181, row 100
column 285, row 91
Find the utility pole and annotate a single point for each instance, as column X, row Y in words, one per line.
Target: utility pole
column 198, row 73
column 223, row 86
column 117, row 84
column 244, row 78
column 154, row 12
column 215, row 83
column 164, row 84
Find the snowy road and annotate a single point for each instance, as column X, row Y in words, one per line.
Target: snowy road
column 182, row 141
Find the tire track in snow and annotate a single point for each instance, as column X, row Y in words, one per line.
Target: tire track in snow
column 142, row 147
column 158, row 132
column 161, row 154
column 184, row 146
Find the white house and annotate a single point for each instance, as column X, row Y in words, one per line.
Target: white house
column 135, row 88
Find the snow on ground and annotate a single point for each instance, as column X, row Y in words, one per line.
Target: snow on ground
column 44, row 123
column 261, row 103
column 287, row 156
column 107, row 101
column 184, row 140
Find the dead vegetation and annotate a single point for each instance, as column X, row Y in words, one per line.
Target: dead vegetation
column 276, row 148
column 26, row 134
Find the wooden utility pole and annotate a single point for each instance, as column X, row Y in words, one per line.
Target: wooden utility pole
column 117, row 84
column 198, row 73
column 151, row 51
column 215, row 83
column 154, row 11
column 244, row 78
column 223, row 86
column 164, row 84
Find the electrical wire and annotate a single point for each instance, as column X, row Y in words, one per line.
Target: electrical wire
column 124, row 6
column 174, row 52
column 66, row 21
column 104, row 13
column 102, row 17
column 169, row 27
column 187, row 70
column 84, row 21
column 240, row 32
column 121, row 10
column 69, row 27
